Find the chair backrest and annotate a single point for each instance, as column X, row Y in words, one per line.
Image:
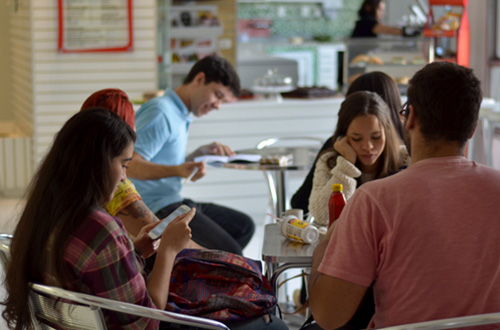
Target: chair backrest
column 50, row 314
column 63, row 309
column 4, row 249
column 451, row 323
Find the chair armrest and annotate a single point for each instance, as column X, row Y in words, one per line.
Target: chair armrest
column 128, row 308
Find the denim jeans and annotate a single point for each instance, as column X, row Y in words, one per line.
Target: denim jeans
column 215, row 226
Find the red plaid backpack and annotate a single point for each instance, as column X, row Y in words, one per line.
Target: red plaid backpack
column 219, row 285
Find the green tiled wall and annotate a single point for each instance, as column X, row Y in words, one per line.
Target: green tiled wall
column 294, row 24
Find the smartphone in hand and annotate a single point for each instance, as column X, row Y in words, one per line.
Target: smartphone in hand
column 157, row 231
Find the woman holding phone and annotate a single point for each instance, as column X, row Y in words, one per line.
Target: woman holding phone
column 65, row 238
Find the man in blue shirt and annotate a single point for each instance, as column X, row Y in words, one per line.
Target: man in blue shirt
column 160, row 161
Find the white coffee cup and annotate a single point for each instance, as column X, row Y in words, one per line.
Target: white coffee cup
column 298, row 213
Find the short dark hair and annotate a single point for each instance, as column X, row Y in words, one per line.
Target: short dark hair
column 446, row 98
column 216, row 69
column 369, row 7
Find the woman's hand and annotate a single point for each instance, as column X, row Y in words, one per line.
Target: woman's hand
column 143, row 243
column 177, row 234
column 343, row 147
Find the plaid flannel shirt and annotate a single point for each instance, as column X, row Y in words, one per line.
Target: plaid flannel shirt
column 104, row 262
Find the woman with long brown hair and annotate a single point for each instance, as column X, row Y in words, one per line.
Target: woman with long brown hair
column 366, row 148
column 65, row 238
column 387, row 89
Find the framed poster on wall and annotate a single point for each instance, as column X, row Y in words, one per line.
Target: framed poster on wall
column 95, row 26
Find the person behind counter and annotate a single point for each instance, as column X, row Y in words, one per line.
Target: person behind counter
column 369, row 23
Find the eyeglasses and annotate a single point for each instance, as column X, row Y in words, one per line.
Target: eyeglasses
column 403, row 114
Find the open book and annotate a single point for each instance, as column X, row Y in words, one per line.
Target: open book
column 238, row 158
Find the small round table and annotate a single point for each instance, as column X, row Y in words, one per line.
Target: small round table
column 300, row 158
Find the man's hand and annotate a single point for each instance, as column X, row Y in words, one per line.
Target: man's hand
column 187, row 168
column 214, row 148
column 345, row 150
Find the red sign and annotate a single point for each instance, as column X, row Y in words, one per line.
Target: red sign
column 95, row 26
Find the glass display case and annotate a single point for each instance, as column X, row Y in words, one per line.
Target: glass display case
column 398, row 57
column 186, row 33
column 448, row 31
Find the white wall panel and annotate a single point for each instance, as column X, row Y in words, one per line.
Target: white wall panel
column 15, row 164
column 48, row 86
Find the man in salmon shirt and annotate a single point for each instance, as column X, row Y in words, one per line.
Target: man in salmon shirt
column 427, row 237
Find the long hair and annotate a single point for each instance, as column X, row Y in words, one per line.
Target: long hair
column 366, row 103
column 387, row 89
column 115, row 100
column 73, row 180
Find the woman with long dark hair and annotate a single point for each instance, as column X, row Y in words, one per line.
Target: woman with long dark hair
column 387, row 89
column 65, row 238
column 366, row 148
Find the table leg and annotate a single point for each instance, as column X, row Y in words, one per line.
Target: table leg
column 276, row 181
column 280, row 193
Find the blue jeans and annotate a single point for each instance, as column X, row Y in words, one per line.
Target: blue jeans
column 216, row 227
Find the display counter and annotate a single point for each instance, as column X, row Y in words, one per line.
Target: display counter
column 397, row 56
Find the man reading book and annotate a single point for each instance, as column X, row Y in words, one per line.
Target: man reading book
column 159, row 161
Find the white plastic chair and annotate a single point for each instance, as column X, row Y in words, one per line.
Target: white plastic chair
column 56, row 308
column 83, row 311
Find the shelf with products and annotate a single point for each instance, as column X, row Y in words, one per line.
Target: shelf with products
column 198, row 31
column 193, row 34
column 399, row 57
column 447, row 30
column 186, row 33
